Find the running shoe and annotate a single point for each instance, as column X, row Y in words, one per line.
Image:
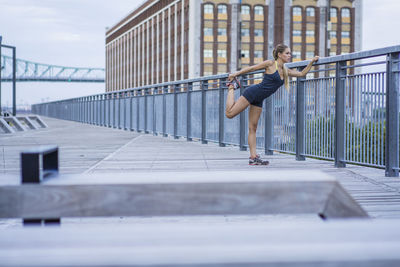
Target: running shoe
column 235, row 83
column 258, row 161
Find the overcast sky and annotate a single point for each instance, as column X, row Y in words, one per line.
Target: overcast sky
column 72, row 33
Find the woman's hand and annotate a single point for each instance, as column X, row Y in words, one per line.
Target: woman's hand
column 315, row 59
column 231, row 77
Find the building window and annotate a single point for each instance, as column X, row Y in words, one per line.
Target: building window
column 245, row 53
column 221, row 31
column 346, row 34
column 208, row 53
column 245, row 10
column 332, row 53
column 258, row 32
column 221, row 53
column 208, row 9
column 310, row 33
column 297, row 11
column 258, row 54
column 222, row 9
column 245, row 32
column 208, row 32
column 310, row 11
column 345, row 12
column 259, row 10
column 309, row 54
column 296, row 54
column 333, row 13
column 296, row 33
column 332, row 34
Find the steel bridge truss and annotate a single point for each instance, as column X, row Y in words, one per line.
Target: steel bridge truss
column 28, row 71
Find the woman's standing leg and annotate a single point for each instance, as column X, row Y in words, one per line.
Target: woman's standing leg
column 254, row 116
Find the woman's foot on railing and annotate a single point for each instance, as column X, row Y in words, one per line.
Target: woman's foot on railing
column 234, row 84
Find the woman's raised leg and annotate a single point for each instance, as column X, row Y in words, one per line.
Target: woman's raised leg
column 234, row 108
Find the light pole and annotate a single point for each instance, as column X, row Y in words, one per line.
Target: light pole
column 14, row 75
column 1, row 68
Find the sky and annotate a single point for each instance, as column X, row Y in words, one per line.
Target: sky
column 72, row 33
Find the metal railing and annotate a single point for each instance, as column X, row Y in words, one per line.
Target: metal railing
column 342, row 113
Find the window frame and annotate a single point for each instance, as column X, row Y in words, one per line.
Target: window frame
column 242, row 7
column 225, row 9
column 206, row 6
column 258, row 7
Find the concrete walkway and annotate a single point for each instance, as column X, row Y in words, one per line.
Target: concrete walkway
column 93, row 149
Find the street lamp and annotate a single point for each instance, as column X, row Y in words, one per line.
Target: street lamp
column 1, row 67
column 14, row 74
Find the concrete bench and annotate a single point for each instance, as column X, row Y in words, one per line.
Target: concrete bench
column 12, row 124
column 27, row 121
column 38, row 120
column 180, row 194
column 344, row 243
column 5, row 127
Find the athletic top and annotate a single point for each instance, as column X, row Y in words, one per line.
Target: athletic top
column 272, row 81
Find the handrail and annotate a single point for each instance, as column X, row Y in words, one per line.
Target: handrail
column 331, row 112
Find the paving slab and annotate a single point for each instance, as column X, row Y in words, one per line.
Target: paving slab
column 93, row 149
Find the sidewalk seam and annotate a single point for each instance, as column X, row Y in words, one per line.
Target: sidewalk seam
column 111, row 155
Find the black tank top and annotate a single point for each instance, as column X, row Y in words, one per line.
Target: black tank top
column 272, row 81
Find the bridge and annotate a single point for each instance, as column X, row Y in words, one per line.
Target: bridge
column 28, row 71
column 173, row 173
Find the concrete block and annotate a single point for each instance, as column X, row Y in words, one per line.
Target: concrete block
column 5, row 127
column 27, row 121
column 181, row 194
column 38, row 120
column 15, row 123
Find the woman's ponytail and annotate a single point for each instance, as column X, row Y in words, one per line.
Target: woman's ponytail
column 280, row 48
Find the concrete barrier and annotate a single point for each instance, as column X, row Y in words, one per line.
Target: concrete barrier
column 180, row 194
column 5, row 126
column 344, row 243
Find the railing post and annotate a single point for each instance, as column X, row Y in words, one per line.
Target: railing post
column 165, row 91
column 392, row 113
column 91, row 108
column 132, row 96
column 108, row 110
column 242, row 118
column 155, row 92
column 138, row 92
column 115, row 102
column 300, row 117
column 145, row 110
column 340, row 111
column 87, row 104
column 97, row 110
column 189, row 111
column 102, row 111
column 269, row 127
column 204, row 87
column 122, row 109
column 176, row 111
column 120, row 99
column 221, row 113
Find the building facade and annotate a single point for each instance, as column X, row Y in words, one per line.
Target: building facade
column 167, row 40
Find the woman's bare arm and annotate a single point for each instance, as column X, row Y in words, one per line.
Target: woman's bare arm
column 260, row 66
column 295, row 73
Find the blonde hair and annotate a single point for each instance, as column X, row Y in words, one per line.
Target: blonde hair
column 280, row 48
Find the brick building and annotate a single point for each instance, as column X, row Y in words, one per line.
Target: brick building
column 166, row 40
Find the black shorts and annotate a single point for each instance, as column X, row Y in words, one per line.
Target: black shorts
column 256, row 94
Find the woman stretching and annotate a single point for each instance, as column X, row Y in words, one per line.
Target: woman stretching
column 276, row 74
